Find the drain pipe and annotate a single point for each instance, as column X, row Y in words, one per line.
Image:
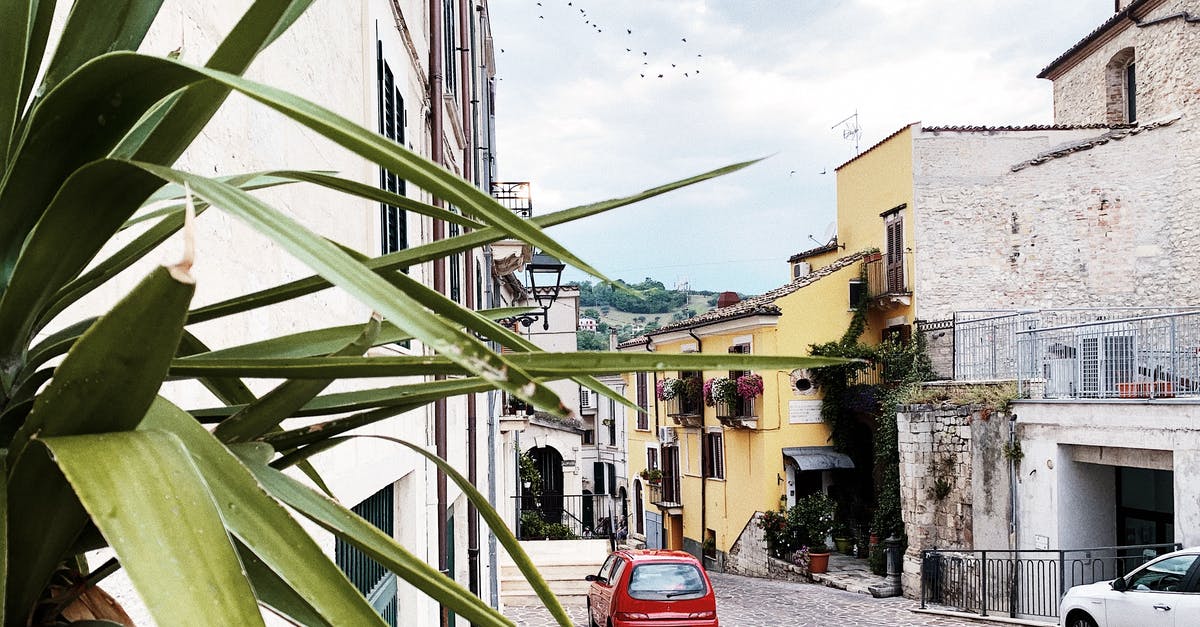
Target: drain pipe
column 1012, row 482
column 493, row 564
column 703, row 455
column 437, row 155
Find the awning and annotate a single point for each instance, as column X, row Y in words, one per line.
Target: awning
column 818, row 457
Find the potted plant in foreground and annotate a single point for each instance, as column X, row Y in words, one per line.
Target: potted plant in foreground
column 814, row 513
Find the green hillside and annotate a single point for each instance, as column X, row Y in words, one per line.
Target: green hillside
column 653, row 307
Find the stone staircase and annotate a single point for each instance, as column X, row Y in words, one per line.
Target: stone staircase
column 563, row 563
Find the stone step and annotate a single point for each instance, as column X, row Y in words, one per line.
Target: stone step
column 557, row 587
column 574, row 572
column 527, row 599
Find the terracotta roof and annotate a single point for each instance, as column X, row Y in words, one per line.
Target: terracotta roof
column 1116, row 134
column 761, row 305
column 639, row 340
column 1027, row 127
column 813, row 252
column 876, row 145
column 1103, row 29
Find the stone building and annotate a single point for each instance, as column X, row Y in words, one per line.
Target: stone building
column 1063, row 257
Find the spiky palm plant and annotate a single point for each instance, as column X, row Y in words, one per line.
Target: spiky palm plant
column 192, row 502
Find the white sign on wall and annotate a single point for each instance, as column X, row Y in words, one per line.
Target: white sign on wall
column 804, row 412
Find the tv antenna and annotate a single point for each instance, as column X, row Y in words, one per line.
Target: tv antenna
column 851, row 131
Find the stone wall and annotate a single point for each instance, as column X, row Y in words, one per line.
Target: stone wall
column 748, row 555
column 953, row 487
column 1088, row 218
column 1167, row 58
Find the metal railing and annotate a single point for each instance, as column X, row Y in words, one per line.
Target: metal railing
column 1022, row 583
column 582, row 515
column 986, row 344
column 664, row 498
column 1155, row 356
column 686, row 404
column 514, row 196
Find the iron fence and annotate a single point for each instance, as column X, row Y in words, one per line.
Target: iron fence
column 987, row 346
column 1022, row 584
column 1155, row 356
column 582, row 515
column 515, row 196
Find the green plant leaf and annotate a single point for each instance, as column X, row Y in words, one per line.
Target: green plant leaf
column 228, row 390
column 265, row 414
column 137, row 498
column 273, row 592
column 377, row 545
column 399, row 307
column 550, row 365
column 93, row 29
column 27, row 23
column 262, row 524
column 437, row 250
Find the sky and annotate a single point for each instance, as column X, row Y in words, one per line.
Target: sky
column 764, row 78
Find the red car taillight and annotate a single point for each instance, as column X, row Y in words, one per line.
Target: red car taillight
column 704, row 614
column 632, row 616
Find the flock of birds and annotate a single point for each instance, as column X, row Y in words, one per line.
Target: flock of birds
column 685, row 65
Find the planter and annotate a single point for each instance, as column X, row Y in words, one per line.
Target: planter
column 1146, row 389
column 844, row 545
column 818, row 563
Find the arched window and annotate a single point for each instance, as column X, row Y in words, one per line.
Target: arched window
column 1120, row 81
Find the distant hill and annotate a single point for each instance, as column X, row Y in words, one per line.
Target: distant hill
column 631, row 315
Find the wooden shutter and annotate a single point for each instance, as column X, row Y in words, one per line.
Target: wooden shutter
column 394, row 227
column 895, row 255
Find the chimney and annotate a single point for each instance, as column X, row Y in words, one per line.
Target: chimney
column 726, row 299
column 612, row 339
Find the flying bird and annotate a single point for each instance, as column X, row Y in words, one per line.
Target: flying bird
column 685, row 40
column 629, row 31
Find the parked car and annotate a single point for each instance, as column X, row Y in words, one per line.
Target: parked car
column 1162, row 592
column 659, row 588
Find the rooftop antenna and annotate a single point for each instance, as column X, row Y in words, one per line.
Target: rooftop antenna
column 851, row 131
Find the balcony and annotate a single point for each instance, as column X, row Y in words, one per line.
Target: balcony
column 514, row 196
column 737, row 414
column 683, row 398
column 665, row 500
column 888, row 283
column 1120, row 353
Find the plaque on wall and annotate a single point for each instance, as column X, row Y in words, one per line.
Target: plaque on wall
column 804, row 412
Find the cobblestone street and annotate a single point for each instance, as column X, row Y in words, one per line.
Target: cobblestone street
column 750, row 602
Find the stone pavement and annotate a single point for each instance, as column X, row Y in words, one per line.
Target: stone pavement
column 848, row 573
column 750, row 602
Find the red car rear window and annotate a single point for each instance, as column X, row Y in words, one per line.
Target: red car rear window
column 666, row 582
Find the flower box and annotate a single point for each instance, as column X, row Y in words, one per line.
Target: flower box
column 1146, row 389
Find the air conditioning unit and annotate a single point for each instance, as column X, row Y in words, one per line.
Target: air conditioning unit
column 801, row 269
column 666, row 434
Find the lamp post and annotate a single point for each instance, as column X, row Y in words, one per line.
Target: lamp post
column 544, row 275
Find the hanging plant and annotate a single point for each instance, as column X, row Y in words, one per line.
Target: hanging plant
column 670, row 388
column 749, row 386
column 720, row 390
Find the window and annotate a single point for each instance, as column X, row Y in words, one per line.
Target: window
column 1164, row 576
column 651, row 458
column 373, row 580
column 455, row 264
column 742, row 407
column 612, row 422
column 714, row 455
column 666, row 582
column 450, row 46
column 1120, row 77
column 894, row 257
column 643, row 419
column 599, row 473
column 392, row 121
column 589, row 436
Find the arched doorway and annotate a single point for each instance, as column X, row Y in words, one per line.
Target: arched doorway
column 638, row 514
column 621, row 509
column 548, row 500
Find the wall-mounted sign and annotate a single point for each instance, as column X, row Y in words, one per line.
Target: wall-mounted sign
column 804, row 412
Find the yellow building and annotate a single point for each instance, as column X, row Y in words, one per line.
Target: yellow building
column 718, row 470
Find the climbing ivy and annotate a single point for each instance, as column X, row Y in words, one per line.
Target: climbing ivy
column 902, row 366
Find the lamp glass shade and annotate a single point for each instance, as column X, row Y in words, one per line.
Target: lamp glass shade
column 545, row 277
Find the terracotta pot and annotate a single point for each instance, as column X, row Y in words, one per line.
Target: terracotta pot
column 818, row 562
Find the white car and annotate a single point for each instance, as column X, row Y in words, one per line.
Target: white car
column 1164, row 592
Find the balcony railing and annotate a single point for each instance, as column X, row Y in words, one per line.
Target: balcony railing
column 664, row 498
column 985, row 342
column 732, row 413
column 582, row 515
column 514, row 196
column 885, row 280
column 1144, row 357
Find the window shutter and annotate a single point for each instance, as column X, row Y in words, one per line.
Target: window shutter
column 612, row 478
column 895, row 255
column 598, row 474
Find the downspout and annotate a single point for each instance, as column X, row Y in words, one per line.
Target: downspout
column 703, row 451
column 1012, row 482
column 662, row 520
column 437, row 155
column 493, row 576
column 469, row 287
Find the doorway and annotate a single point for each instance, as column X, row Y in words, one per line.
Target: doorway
column 1145, row 506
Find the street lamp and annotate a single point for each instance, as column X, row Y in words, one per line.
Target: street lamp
column 544, row 275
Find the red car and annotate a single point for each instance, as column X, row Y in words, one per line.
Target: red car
column 651, row 588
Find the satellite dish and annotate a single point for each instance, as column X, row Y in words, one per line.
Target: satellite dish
column 830, row 233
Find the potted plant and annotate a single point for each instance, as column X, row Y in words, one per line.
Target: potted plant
column 652, row 476
column 843, row 538
column 814, row 515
